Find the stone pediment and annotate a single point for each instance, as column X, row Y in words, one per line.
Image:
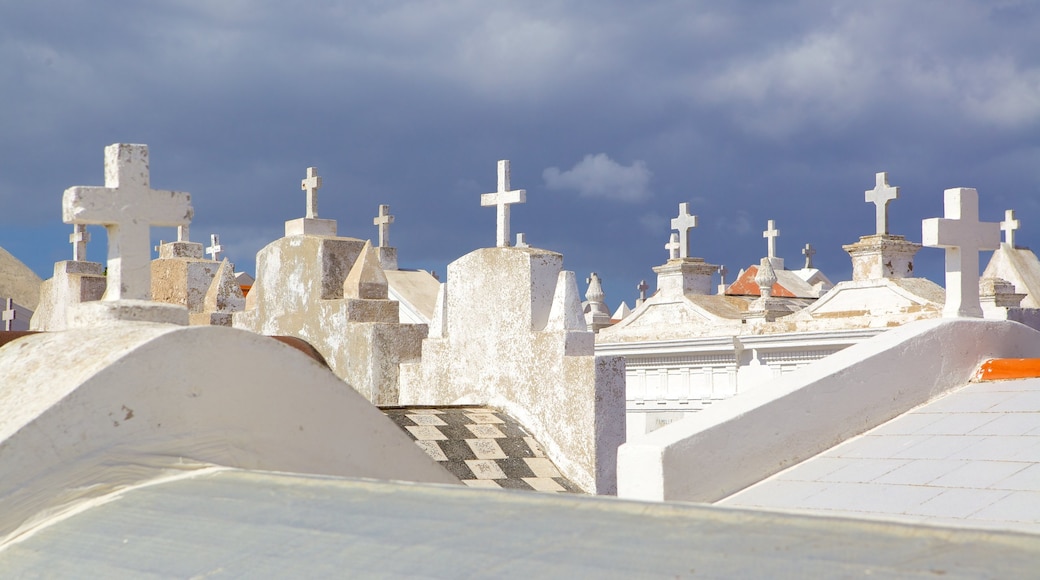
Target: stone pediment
column 882, row 299
column 692, row 315
column 1019, row 266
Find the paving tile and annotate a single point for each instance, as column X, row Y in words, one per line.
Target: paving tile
column 958, row 423
column 485, row 469
column 485, row 448
column 1018, row 506
column 482, row 483
column 542, row 467
column 871, row 497
column 966, row 401
column 1028, row 402
column 863, row 470
column 958, row 503
column 921, row 471
column 877, row 446
column 426, row 419
column 815, row 468
column 425, row 432
column 1029, row 450
column 1018, row 385
column 1010, row 424
column 776, row 493
column 907, row 424
column 508, row 483
column 516, row 468
column 433, row 450
column 996, row 448
column 979, row 474
column 543, row 484
column 484, row 418
column 1027, row 479
column 485, row 431
column 940, row 447
column 535, row 447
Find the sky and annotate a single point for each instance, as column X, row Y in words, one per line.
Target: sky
column 611, row 113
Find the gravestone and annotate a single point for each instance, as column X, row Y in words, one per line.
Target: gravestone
column 387, row 254
column 882, row 255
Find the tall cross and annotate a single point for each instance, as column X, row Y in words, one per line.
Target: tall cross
column 311, row 184
column 880, row 196
column 684, row 223
column 503, row 198
column 383, row 221
column 1008, row 226
column 771, row 234
column 808, row 251
column 642, row 287
column 215, row 249
column 963, row 236
column 672, row 246
column 128, row 207
column 9, row 315
column 79, row 238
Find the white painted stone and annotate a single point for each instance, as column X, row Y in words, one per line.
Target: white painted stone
column 9, row 314
column 382, row 221
column 215, row 249
column 808, row 251
column 597, row 316
column 183, row 233
column 109, row 312
column 673, row 246
column 622, row 311
column 770, row 234
column 73, row 282
column 963, row 236
column 683, row 223
column 521, row 240
column 880, row 196
column 311, row 184
column 1009, row 226
column 79, row 238
column 502, row 199
column 311, row 225
column 127, row 206
column 876, row 257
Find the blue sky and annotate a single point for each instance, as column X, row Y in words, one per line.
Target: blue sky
column 612, row 114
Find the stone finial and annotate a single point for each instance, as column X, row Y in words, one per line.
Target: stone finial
column 808, row 251
column 595, row 291
column 642, row 287
column 1009, row 226
column 596, row 315
column 9, row 315
column 880, row 196
column 683, row 224
column 771, row 234
column 673, row 246
column 502, row 199
column 311, row 184
column 127, row 206
column 79, row 238
column 383, row 221
column 963, row 236
column 366, row 279
column 521, row 241
column 215, row 249
column 765, row 278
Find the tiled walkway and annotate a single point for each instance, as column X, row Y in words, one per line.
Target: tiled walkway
column 969, row 458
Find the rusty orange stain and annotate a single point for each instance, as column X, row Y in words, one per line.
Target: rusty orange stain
column 1001, row 369
column 746, row 286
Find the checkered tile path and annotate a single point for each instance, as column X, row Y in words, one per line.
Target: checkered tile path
column 483, row 447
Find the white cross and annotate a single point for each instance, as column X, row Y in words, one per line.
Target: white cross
column 215, row 249
column 684, row 223
column 963, row 236
column 521, row 240
column 9, row 315
column 642, row 287
column 79, row 238
column 311, row 184
column 156, row 248
column 503, row 198
column 128, row 207
column 383, row 221
column 880, row 196
column 808, row 251
column 771, row 234
column 672, row 246
column 1008, row 226
column 722, row 274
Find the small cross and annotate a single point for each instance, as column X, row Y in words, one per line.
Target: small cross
column 157, row 248
column 1008, row 226
column 79, row 238
column 128, row 207
column 771, row 234
column 383, row 221
column 642, row 287
column 684, row 223
column 503, row 198
column 311, row 184
column 880, row 196
column 9, row 315
column 672, row 246
column 722, row 275
column 215, row 249
column 521, row 240
column 963, row 236
column 808, row 251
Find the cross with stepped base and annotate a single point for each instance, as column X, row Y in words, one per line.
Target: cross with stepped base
column 1009, row 226
column 383, row 221
column 79, row 238
column 684, row 223
column 880, row 196
column 215, row 249
column 963, row 236
column 128, row 207
column 771, row 234
column 502, row 199
column 311, row 184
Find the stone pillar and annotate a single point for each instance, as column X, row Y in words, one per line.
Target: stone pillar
column 882, row 256
column 685, row 276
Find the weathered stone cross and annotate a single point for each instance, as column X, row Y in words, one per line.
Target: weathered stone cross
column 215, row 249
column 128, row 207
column 963, row 236
column 771, row 234
column 880, row 196
column 311, row 184
column 79, row 238
column 1009, row 226
column 503, row 198
column 383, row 221
column 684, row 223
column 722, row 275
column 642, row 287
column 808, row 251
column 672, row 246
column 9, row 315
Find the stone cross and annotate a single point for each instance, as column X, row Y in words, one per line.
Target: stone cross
column 215, row 249
column 128, row 207
column 642, row 287
column 771, row 234
column 521, row 240
column 672, row 246
column 1008, row 226
column 503, row 198
column 157, row 248
column 311, row 184
column 9, row 315
column 963, row 236
column 383, row 221
column 722, row 275
column 684, row 223
column 880, row 196
column 808, row 251
column 79, row 238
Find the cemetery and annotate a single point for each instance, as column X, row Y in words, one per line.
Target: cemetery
column 160, row 379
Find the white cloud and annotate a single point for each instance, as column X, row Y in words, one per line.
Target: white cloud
column 601, row 177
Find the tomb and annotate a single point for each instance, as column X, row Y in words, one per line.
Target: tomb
column 803, row 285
column 182, row 275
column 74, row 281
column 223, row 298
column 1015, row 264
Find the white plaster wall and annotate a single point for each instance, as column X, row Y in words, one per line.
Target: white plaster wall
column 86, row 412
column 742, row 440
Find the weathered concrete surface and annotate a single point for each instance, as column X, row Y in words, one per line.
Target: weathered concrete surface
column 223, row 298
column 17, row 281
column 73, row 282
column 183, row 281
column 512, row 335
